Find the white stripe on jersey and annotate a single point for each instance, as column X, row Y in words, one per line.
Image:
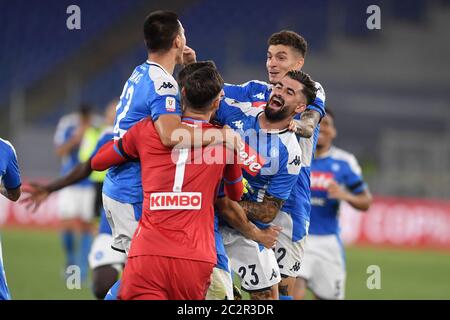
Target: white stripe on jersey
column 246, row 107
column 164, row 82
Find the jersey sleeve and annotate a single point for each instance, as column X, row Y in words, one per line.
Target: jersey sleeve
column 319, row 102
column 11, row 178
column 353, row 179
column 232, row 179
column 105, row 137
column 282, row 183
column 250, row 91
column 165, row 98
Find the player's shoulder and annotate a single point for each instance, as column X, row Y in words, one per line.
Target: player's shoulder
column 245, row 107
column 320, row 93
column 68, row 120
column 7, row 147
column 164, row 83
column 338, row 154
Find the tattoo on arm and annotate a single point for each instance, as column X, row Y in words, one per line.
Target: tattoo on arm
column 307, row 123
column 264, row 211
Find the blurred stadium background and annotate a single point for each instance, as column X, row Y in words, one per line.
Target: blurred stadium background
column 389, row 89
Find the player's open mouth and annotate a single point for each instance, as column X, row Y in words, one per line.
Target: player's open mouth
column 276, row 102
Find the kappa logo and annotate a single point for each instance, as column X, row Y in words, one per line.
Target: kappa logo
column 176, row 200
column 259, row 96
column 297, row 161
column 274, row 274
column 238, row 124
column 295, row 267
column 166, row 85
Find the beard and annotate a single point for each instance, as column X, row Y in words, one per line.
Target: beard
column 279, row 114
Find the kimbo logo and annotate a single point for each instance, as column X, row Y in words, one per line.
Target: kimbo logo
column 176, row 200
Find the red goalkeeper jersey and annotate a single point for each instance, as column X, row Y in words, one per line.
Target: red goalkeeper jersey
column 180, row 187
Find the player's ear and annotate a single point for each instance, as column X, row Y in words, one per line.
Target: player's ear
column 299, row 64
column 177, row 41
column 183, row 92
column 300, row 107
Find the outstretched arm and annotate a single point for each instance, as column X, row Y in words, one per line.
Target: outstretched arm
column 37, row 192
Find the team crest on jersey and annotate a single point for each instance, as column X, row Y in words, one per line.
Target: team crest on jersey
column 170, row 104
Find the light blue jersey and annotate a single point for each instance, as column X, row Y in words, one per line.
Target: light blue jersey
column 10, row 179
column 342, row 167
column 150, row 92
column 279, row 149
column 298, row 205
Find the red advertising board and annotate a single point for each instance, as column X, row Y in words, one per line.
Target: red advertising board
column 399, row 222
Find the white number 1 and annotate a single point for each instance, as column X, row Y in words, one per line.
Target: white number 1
column 179, row 171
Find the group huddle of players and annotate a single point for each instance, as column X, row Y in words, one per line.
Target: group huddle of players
column 206, row 179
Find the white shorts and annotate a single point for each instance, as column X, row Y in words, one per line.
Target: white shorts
column 102, row 254
column 324, row 267
column 221, row 287
column 256, row 265
column 76, row 202
column 289, row 253
column 122, row 220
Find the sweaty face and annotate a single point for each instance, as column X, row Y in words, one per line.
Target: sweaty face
column 285, row 99
column 281, row 59
column 327, row 132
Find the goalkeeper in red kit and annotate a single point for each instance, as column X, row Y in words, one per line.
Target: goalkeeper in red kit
column 173, row 252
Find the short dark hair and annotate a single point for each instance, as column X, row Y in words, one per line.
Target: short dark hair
column 160, row 29
column 190, row 68
column 85, row 109
column 201, row 87
column 290, row 39
column 309, row 86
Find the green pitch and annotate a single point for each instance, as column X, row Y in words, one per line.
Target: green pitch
column 34, row 260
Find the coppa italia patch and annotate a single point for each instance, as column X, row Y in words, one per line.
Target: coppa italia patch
column 176, row 200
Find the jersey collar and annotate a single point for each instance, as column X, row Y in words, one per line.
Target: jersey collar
column 157, row 65
column 270, row 131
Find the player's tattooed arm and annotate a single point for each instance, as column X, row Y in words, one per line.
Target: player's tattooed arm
column 235, row 216
column 307, row 123
column 264, row 211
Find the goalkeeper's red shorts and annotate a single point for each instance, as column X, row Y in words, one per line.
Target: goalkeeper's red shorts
column 164, row 278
